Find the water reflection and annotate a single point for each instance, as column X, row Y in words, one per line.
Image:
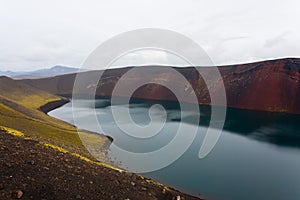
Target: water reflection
column 275, row 128
column 237, row 168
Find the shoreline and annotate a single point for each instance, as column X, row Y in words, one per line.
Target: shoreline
column 27, row 162
column 59, row 103
column 50, row 106
column 54, row 105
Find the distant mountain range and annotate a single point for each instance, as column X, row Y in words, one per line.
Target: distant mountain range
column 41, row 73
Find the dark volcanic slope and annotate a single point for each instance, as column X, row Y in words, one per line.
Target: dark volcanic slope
column 267, row 86
column 39, row 172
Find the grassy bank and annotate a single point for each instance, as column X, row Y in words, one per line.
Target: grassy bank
column 20, row 109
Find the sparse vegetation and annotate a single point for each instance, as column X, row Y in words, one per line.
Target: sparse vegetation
column 19, row 110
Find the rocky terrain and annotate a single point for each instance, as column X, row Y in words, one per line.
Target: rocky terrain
column 33, row 170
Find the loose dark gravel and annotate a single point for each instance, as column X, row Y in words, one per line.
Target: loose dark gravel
column 29, row 170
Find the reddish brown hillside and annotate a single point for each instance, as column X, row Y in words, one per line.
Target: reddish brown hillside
column 268, row 85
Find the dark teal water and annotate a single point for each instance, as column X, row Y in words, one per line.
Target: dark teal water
column 256, row 157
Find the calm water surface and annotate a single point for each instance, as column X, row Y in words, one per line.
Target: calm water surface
column 256, row 157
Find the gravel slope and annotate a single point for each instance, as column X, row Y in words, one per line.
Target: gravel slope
column 30, row 170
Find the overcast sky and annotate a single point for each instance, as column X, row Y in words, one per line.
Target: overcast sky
column 39, row 34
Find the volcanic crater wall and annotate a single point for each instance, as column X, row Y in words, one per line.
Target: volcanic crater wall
column 272, row 85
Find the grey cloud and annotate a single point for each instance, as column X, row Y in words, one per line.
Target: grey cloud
column 276, row 40
column 37, row 34
column 229, row 39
